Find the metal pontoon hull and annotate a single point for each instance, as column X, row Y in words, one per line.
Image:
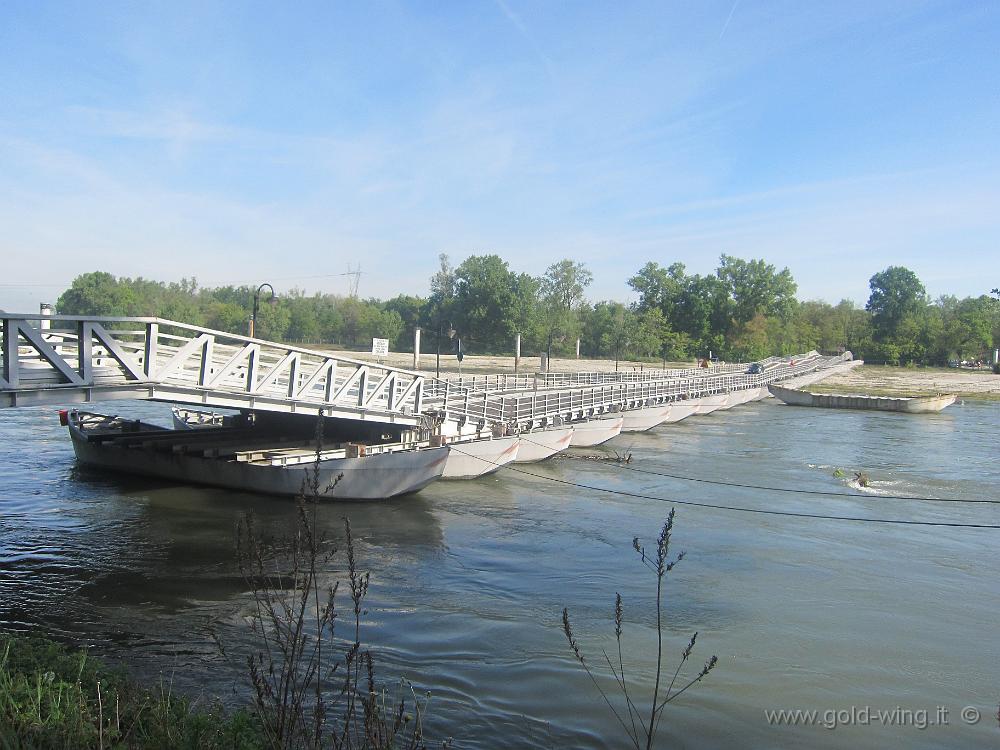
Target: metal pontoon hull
column 375, row 477
column 741, row 397
column 596, row 431
column 540, row 444
column 682, row 410
column 640, row 420
column 708, row 404
column 476, row 458
column 901, row 404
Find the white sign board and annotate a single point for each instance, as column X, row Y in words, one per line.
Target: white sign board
column 380, row 347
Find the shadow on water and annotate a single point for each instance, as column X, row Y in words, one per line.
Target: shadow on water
column 142, row 551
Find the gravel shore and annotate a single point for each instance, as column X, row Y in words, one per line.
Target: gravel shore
column 878, row 380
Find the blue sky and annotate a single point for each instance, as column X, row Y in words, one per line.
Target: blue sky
column 250, row 142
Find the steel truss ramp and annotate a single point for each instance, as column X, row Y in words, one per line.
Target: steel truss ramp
column 72, row 359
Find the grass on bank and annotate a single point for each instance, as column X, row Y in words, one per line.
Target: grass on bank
column 54, row 697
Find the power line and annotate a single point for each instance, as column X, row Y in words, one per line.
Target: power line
column 33, row 284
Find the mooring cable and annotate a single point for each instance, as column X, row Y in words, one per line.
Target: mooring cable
column 735, row 508
column 832, row 493
column 739, row 485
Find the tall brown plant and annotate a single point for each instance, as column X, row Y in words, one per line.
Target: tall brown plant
column 641, row 723
column 308, row 692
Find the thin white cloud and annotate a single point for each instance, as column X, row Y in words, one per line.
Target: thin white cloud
column 528, row 37
column 173, row 124
column 728, row 19
column 788, row 191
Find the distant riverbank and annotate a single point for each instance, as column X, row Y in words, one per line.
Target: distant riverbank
column 481, row 364
column 878, row 380
column 875, row 380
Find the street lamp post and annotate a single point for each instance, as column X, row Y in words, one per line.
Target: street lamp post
column 451, row 335
column 557, row 336
column 619, row 337
column 256, row 306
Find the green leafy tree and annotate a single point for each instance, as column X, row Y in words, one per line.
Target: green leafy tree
column 561, row 296
column 526, row 313
column 659, row 287
column 272, row 321
column 227, row 316
column 651, row 332
column 751, row 340
column 331, row 319
column 386, row 324
column 676, row 347
column 237, row 295
column 619, row 337
column 859, row 333
column 98, row 293
column 440, row 308
column 409, row 310
column 180, row 302
column 443, row 282
column 896, row 294
column 303, row 318
column 601, row 323
column 969, row 330
column 703, row 312
column 485, row 303
column 756, row 288
column 808, row 321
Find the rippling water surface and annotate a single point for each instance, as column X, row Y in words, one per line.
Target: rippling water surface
column 469, row 579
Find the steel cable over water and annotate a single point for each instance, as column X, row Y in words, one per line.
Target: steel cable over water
column 759, row 511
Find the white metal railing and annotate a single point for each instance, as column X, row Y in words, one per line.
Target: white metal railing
column 77, row 358
column 510, row 383
column 434, row 388
column 522, row 408
column 564, row 379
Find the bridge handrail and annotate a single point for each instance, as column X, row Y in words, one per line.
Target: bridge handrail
column 64, row 352
column 506, row 382
column 102, row 319
column 520, row 408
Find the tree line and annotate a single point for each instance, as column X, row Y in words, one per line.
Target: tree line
column 745, row 310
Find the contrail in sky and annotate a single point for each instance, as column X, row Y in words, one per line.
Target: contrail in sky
column 726, row 24
column 526, row 35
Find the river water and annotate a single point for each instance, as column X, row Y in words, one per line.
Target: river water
column 469, row 579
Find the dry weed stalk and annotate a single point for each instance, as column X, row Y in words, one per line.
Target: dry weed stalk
column 642, row 724
column 307, row 692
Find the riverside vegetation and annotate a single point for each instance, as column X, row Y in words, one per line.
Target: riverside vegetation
column 309, row 690
column 745, row 310
column 309, row 686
